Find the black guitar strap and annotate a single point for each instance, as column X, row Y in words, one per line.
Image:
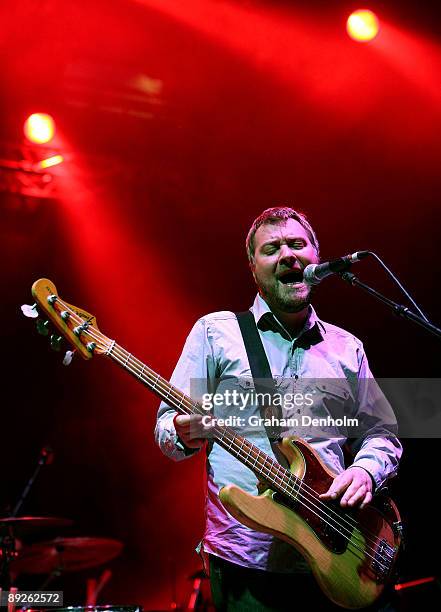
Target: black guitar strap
column 263, row 378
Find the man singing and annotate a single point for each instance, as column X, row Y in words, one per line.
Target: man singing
column 251, row 570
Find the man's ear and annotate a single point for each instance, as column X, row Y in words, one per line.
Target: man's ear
column 252, row 267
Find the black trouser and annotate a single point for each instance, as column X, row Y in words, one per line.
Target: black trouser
column 240, row 589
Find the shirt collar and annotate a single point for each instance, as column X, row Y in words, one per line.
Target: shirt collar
column 265, row 320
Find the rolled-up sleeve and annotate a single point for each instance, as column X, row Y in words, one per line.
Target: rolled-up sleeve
column 377, row 449
column 195, row 367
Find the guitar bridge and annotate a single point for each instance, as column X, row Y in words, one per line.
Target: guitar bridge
column 383, row 558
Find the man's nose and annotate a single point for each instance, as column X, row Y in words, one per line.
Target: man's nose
column 287, row 254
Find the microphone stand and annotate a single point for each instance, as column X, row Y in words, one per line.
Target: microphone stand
column 399, row 309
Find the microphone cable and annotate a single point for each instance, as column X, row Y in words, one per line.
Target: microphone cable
column 395, row 279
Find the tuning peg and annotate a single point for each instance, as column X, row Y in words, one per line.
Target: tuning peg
column 43, row 327
column 56, row 342
column 29, row 311
column 68, row 358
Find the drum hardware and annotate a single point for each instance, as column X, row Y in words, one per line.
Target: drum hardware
column 65, row 555
column 198, row 600
column 95, row 586
column 50, row 557
column 46, row 457
column 10, row 524
column 25, row 524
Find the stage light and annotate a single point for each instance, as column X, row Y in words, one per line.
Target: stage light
column 51, row 161
column 39, row 128
column 362, row 25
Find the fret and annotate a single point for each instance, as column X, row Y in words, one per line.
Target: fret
column 110, row 349
column 248, row 458
column 142, row 371
column 299, row 486
column 269, row 469
column 194, row 407
column 127, row 359
column 230, row 440
column 153, row 385
column 249, row 451
column 278, row 468
column 284, row 486
column 179, row 405
column 274, row 477
column 289, row 485
column 261, row 470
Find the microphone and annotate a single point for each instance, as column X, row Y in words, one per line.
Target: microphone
column 313, row 274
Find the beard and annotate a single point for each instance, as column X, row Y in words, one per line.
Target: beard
column 284, row 297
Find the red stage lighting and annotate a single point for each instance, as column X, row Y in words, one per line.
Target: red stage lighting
column 51, row 161
column 362, row 25
column 39, row 128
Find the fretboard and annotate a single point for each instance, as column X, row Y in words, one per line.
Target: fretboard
column 265, row 468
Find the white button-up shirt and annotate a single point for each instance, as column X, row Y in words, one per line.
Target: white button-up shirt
column 323, row 362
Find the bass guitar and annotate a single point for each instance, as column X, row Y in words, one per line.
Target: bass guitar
column 352, row 553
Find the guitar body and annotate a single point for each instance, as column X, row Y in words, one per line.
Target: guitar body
column 349, row 570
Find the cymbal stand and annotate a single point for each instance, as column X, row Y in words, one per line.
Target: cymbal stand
column 45, row 458
column 7, row 552
column 7, row 539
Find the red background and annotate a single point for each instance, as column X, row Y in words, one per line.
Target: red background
column 251, row 105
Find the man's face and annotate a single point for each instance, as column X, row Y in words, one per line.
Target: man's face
column 282, row 251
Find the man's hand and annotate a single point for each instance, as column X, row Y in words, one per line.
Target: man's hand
column 191, row 429
column 355, row 483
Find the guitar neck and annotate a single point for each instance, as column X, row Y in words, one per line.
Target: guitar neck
column 251, row 456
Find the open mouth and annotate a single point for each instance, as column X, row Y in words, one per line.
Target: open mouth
column 292, row 277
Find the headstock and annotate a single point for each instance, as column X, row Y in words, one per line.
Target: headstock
column 76, row 325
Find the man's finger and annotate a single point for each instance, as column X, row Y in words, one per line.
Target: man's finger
column 352, row 490
column 339, row 485
column 367, row 500
column 351, row 497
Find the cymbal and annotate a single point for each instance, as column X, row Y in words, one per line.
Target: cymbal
column 65, row 554
column 25, row 523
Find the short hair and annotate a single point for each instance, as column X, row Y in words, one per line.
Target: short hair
column 272, row 216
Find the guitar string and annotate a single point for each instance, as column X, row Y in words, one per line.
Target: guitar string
column 219, row 431
column 103, row 339
column 122, row 357
column 386, row 560
column 123, row 361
